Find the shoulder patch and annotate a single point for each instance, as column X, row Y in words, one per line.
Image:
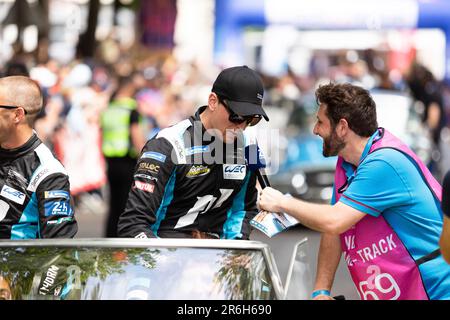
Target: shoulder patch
column 174, row 135
column 49, row 165
column 154, row 155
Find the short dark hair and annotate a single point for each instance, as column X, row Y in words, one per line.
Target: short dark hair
column 349, row 102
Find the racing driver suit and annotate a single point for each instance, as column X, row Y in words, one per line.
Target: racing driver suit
column 184, row 186
column 35, row 200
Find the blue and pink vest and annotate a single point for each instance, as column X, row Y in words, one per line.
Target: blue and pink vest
column 391, row 273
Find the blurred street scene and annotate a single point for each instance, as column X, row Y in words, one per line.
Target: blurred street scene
column 170, row 52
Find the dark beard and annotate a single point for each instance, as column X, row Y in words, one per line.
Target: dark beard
column 332, row 145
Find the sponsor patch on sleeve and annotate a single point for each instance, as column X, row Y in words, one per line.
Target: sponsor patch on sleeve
column 60, row 220
column 154, row 155
column 147, row 187
column 57, row 194
column 149, row 167
column 145, row 177
column 61, row 208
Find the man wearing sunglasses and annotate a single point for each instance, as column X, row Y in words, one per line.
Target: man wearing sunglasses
column 196, row 179
column 35, row 199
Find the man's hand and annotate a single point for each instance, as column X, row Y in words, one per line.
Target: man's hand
column 270, row 200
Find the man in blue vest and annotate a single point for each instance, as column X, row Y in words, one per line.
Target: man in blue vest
column 385, row 214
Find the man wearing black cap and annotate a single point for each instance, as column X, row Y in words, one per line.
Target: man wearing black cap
column 194, row 179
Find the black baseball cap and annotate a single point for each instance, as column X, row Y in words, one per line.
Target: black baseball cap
column 243, row 90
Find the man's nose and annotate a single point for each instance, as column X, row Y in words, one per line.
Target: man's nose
column 315, row 130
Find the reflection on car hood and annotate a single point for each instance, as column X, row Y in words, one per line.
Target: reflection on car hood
column 139, row 269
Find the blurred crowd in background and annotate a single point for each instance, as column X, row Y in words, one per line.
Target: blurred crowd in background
column 76, row 94
column 168, row 90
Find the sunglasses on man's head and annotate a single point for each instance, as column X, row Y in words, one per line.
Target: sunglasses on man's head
column 12, row 107
column 235, row 118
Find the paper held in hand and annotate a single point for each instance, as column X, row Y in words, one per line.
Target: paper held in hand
column 271, row 223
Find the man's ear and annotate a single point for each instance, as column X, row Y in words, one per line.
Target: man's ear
column 19, row 115
column 213, row 101
column 342, row 128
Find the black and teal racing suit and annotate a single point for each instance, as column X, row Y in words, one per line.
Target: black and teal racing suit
column 186, row 180
column 35, row 200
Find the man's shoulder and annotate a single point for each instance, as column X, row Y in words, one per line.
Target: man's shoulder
column 176, row 130
column 391, row 161
column 171, row 138
column 49, row 165
column 389, row 156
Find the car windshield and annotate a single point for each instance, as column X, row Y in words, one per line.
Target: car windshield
column 135, row 273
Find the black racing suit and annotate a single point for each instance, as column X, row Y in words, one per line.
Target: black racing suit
column 35, row 199
column 186, row 180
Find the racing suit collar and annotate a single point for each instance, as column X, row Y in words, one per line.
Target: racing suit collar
column 32, row 143
column 196, row 119
column 196, row 116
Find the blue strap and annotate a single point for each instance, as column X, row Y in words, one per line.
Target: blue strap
column 319, row 292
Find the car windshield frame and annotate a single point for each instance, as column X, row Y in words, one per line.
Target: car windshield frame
column 159, row 243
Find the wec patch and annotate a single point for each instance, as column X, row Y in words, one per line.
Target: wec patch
column 13, row 194
column 62, row 208
column 234, row 171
